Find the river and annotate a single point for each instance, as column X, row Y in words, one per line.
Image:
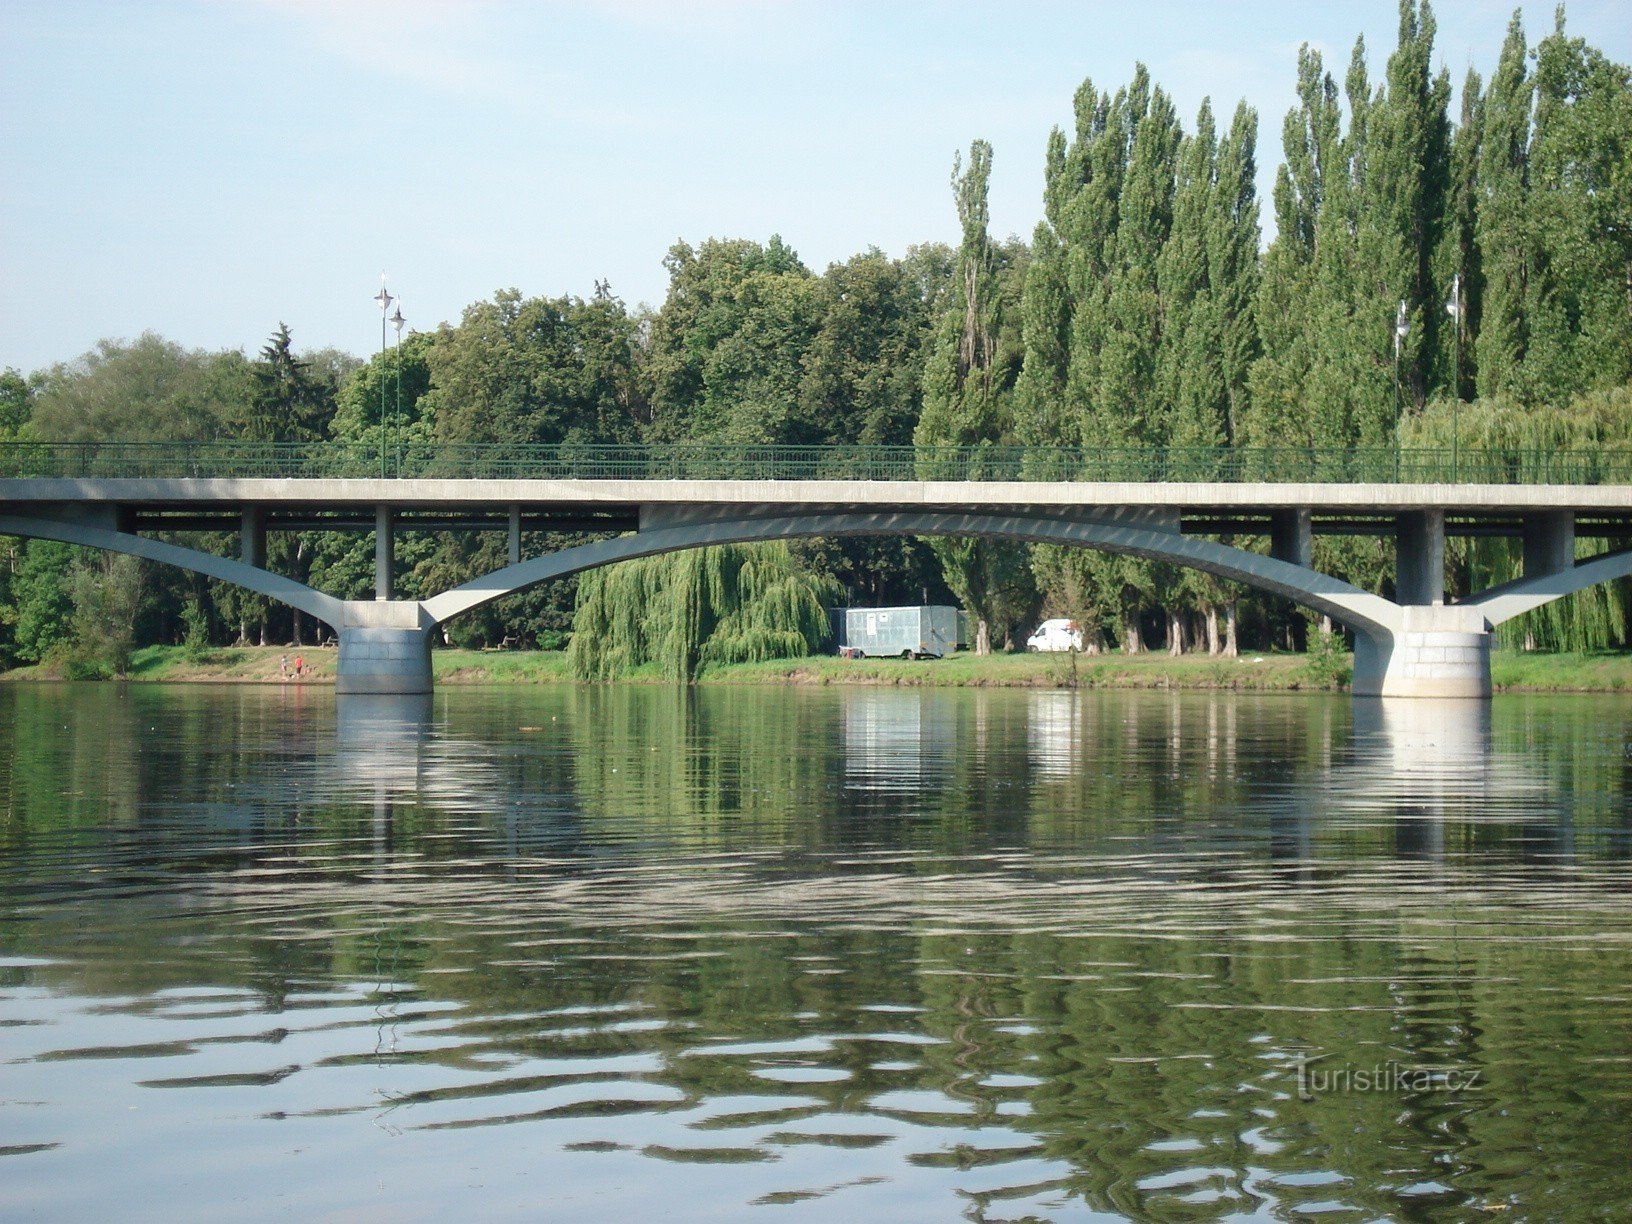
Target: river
column 637, row 953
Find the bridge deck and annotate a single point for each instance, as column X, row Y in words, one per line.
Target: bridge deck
column 628, row 495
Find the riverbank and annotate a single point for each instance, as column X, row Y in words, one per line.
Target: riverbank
column 1511, row 671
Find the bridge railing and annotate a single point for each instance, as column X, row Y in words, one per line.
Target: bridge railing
column 722, row 461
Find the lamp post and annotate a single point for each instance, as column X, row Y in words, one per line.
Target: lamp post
column 397, row 321
column 1402, row 328
column 384, row 299
column 1454, row 309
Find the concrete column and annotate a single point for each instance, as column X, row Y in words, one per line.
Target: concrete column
column 384, row 649
column 1439, row 652
column 384, row 553
column 515, row 534
column 254, row 536
column 1419, row 574
column 1549, row 543
column 1292, row 537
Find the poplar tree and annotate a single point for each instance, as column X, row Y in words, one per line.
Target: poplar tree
column 1277, row 403
column 1459, row 264
column 1502, row 222
column 968, row 400
column 1579, row 291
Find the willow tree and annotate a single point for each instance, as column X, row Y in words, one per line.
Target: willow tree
column 736, row 603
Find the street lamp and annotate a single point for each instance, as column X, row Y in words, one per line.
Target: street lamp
column 1453, row 307
column 384, row 299
column 396, row 322
column 1402, row 328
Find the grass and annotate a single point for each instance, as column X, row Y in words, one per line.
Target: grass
column 1564, row 672
column 1255, row 672
column 1511, row 671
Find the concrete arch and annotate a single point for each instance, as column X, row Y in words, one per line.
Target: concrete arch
column 1503, row 603
column 1369, row 614
column 325, row 608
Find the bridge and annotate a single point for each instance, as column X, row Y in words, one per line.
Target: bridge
column 646, row 500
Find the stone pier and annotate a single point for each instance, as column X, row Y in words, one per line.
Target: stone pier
column 385, row 648
column 1440, row 652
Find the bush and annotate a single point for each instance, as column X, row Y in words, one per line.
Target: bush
column 1326, row 662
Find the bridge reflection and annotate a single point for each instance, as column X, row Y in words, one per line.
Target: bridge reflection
column 1202, row 776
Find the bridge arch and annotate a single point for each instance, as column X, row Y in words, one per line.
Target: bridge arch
column 92, row 534
column 385, row 644
column 1367, row 613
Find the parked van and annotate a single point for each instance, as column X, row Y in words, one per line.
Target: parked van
column 1055, row 635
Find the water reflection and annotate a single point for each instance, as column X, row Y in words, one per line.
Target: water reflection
column 591, row 953
column 897, row 741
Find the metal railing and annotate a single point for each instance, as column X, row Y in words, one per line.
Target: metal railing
column 721, row 461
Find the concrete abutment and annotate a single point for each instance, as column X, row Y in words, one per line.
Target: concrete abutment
column 385, row 649
column 1440, row 651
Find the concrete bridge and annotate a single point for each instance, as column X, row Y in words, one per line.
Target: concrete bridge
column 1418, row 644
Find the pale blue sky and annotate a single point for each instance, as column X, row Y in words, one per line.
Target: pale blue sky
column 207, row 168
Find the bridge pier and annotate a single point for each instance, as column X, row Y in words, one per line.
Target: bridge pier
column 1440, row 652
column 1439, row 649
column 385, row 648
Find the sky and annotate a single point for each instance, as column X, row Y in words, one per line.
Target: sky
column 207, row 169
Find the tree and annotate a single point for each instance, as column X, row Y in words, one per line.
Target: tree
column 45, row 606
column 522, row 369
column 968, row 399
column 1501, row 222
column 1579, row 289
column 16, row 404
column 286, row 403
column 727, row 351
column 729, row 604
column 148, row 390
column 107, row 596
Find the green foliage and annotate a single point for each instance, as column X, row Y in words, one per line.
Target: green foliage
column 680, row 612
column 969, row 381
column 287, row 402
column 520, row 369
column 148, row 390
column 44, row 607
column 107, row 598
column 727, row 350
column 1327, row 664
column 195, row 646
column 16, row 404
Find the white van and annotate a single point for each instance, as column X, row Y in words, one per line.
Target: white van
column 1055, row 635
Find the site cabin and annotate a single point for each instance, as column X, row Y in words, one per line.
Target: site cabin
column 925, row 632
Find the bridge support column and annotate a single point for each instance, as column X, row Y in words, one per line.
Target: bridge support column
column 384, row 553
column 385, row 647
column 254, row 536
column 1292, row 537
column 514, row 535
column 1419, row 565
column 1549, row 543
column 1440, row 652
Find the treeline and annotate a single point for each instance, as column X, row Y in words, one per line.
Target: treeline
column 1426, row 269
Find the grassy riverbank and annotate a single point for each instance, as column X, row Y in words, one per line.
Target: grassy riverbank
column 1510, row 670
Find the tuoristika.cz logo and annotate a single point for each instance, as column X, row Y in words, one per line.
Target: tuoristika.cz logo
column 1317, row 1077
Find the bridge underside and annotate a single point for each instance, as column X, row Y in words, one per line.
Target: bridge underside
column 1415, row 645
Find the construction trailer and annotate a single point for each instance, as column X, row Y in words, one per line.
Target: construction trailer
column 928, row 631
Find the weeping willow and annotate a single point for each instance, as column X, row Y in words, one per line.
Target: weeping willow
column 737, row 603
column 1593, row 619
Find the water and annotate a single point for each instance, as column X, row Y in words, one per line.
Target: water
column 811, row 954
